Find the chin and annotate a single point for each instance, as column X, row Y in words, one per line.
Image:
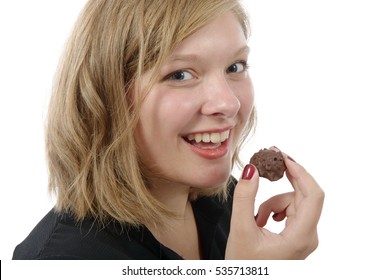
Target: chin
column 211, row 179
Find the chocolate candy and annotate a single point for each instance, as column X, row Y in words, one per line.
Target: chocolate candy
column 269, row 163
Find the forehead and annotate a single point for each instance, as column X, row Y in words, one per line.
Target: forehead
column 224, row 34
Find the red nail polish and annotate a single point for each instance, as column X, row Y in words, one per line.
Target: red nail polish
column 290, row 158
column 248, row 172
column 276, row 148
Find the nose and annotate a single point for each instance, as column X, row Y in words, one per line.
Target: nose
column 221, row 98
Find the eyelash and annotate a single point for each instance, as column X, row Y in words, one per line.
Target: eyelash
column 171, row 75
column 244, row 64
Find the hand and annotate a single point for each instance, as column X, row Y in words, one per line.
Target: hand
column 302, row 208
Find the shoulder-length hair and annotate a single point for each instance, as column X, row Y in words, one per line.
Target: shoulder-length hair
column 94, row 167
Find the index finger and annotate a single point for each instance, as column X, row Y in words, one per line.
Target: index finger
column 309, row 200
column 300, row 179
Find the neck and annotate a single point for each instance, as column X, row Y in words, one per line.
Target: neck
column 174, row 196
column 180, row 234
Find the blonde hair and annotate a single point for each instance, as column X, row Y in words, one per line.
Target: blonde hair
column 94, row 167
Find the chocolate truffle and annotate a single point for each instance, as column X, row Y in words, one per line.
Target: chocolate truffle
column 269, row 163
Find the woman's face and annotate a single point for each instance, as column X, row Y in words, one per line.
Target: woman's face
column 192, row 118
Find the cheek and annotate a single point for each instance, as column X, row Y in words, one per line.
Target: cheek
column 246, row 98
column 163, row 116
column 174, row 112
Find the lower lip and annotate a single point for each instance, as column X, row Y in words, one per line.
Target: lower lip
column 216, row 153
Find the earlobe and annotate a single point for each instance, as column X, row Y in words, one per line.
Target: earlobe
column 129, row 96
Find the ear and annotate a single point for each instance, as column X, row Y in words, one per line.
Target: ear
column 131, row 95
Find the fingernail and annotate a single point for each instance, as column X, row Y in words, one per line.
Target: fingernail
column 290, row 158
column 276, row 148
column 248, row 172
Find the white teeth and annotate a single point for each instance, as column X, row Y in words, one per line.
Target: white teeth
column 198, row 137
column 225, row 135
column 214, row 137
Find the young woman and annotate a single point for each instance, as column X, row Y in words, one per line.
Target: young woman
column 150, row 107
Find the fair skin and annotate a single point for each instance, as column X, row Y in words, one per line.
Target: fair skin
column 196, row 113
column 248, row 239
column 203, row 91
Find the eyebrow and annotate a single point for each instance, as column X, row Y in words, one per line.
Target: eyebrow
column 193, row 57
column 242, row 50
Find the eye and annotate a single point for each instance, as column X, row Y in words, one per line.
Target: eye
column 181, row 75
column 237, row 67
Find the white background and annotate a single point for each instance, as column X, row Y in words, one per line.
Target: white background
column 321, row 71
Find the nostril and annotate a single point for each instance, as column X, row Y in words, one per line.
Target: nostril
column 220, row 105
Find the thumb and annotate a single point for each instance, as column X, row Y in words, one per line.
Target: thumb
column 245, row 195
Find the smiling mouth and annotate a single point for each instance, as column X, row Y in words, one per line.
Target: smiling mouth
column 206, row 140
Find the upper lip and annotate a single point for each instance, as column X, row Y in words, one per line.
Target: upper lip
column 217, row 130
column 207, row 131
column 207, row 136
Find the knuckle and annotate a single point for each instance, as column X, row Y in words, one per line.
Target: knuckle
column 304, row 247
column 320, row 194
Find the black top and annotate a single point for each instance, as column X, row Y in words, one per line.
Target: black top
column 58, row 236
